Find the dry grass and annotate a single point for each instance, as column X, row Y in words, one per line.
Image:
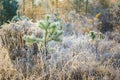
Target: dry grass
column 80, row 63
column 7, row 69
column 76, row 58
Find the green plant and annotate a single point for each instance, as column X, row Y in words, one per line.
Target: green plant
column 9, row 8
column 92, row 35
column 96, row 35
column 51, row 32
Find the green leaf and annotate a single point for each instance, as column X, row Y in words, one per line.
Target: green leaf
column 47, row 17
column 52, row 29
column 29, row 43
column 58, row 33
column 47, row 24
column 52, row 49
column 53, row 25
column 42, row 25
column 31, row 39
column 57, row 39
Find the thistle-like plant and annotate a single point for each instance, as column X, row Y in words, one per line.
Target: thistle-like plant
column 51, row 31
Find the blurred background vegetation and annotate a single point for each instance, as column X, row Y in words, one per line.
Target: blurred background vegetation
column 88, row 31
column 36, row 9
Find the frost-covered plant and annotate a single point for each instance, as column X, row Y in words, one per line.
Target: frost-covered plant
column 115, row 17
column 19, row 17
column 51, row 32
column 78, row 4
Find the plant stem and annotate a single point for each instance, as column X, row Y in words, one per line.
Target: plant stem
column 45, row 42
column 86, row 6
